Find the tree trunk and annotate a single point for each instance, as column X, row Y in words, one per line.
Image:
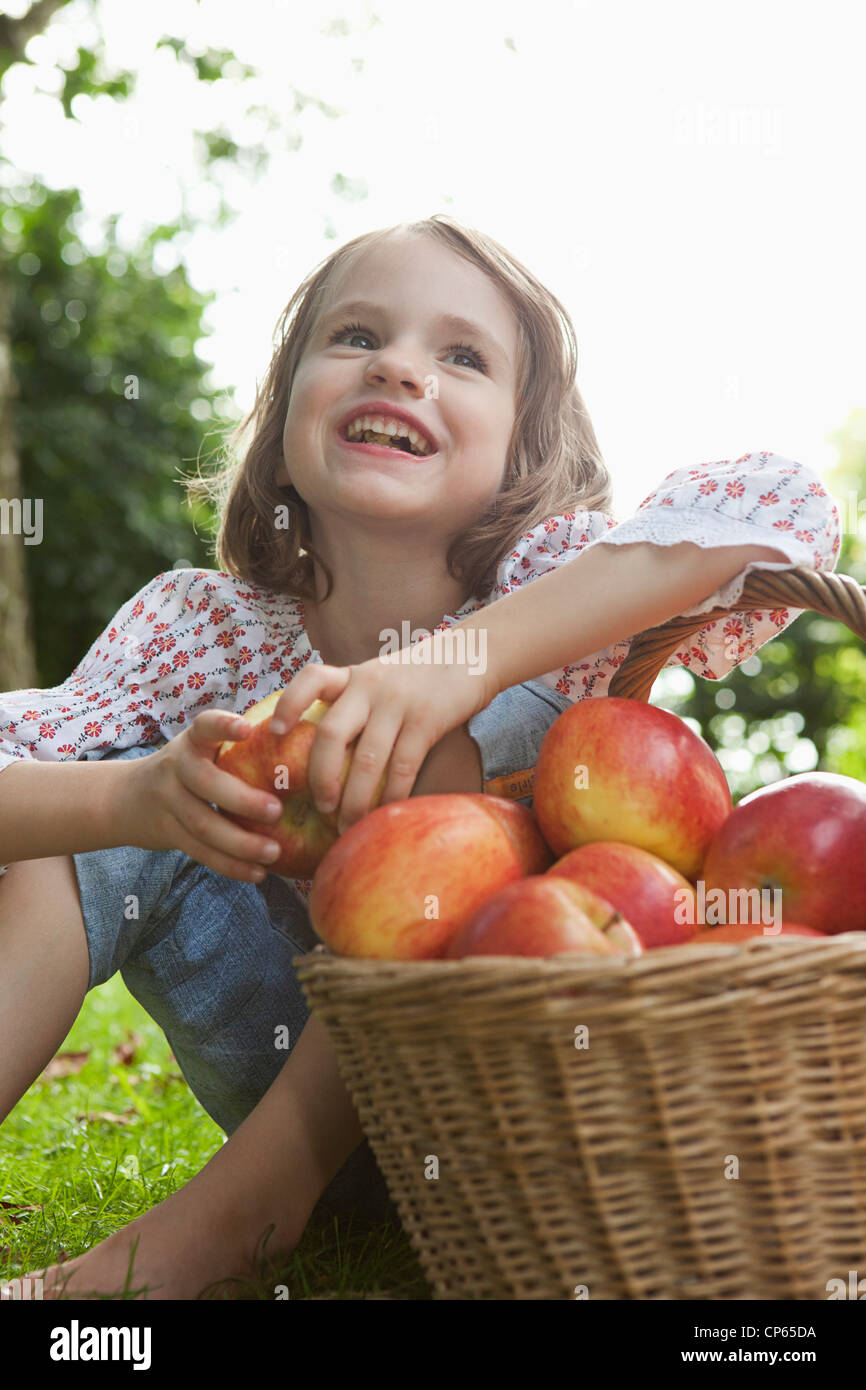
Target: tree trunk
column 17, row 648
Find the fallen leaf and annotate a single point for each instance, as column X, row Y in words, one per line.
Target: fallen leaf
column 123, row 1054
column 10, row 1211
column 106, row 1116
column 64, row 1064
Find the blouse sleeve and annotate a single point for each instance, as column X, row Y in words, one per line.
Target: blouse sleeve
column 760, row 499
column 130, row 688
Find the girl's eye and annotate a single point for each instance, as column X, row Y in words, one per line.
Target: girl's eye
column 357, row 331
column 464, row 351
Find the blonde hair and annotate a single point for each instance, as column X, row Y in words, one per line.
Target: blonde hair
column 554, row 464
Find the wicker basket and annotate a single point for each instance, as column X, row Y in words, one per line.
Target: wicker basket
column 709, row 1143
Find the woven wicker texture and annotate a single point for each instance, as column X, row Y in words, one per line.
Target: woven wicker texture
column 690, row 1124
column 834, row 595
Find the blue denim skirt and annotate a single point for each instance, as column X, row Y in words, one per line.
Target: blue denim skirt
column 209, row 958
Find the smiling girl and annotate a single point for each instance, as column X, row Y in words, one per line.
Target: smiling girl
column 494, row 521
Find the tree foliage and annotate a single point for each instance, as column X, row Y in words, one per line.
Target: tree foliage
column 105, row 395
column 113, row 407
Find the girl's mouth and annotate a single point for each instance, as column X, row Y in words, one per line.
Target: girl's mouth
column 388, row 430
column 380, row 445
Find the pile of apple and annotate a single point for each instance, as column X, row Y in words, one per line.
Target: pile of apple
column 632, row 831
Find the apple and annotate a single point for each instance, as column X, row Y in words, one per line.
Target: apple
column 520, row 825
column 805, row 835
column 657, row 900
column 280, row 765
column 743, row 931
column 617, row 769
column 398, row 884
column 544, row 916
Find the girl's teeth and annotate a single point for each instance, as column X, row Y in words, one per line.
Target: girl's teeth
column 388, row 431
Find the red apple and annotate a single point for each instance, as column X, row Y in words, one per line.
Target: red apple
column 280, row 765
column 521, row 828
column 398, row 884
column 617, row 769
column 743, row 931
column 805, row 835
column 542, row 916
column 658, row 901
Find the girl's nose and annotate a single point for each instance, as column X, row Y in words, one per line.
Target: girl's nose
column 392, row 365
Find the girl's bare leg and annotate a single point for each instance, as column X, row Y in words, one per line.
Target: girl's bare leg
column 44, row 969
column 272, row 1170
column 269, row 1173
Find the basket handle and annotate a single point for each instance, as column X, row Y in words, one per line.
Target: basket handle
column 835, row 595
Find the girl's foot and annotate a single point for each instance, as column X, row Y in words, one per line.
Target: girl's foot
column 154, row 1257
column 247, row 1208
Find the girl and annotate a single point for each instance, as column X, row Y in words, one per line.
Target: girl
column 494, row 512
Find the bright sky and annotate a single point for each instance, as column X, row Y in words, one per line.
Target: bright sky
column 687, row 178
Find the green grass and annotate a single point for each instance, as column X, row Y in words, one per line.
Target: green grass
column 67, row 1182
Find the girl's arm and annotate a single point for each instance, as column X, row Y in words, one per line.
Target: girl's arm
column 598, row 599
column 402, row 709
column 454, row 763
column 48, row 809
column 171, row 651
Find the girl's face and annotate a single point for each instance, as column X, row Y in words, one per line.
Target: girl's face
column 400, row 349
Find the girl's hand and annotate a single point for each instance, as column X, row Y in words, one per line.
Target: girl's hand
column 164, row 801
column 399, row 708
